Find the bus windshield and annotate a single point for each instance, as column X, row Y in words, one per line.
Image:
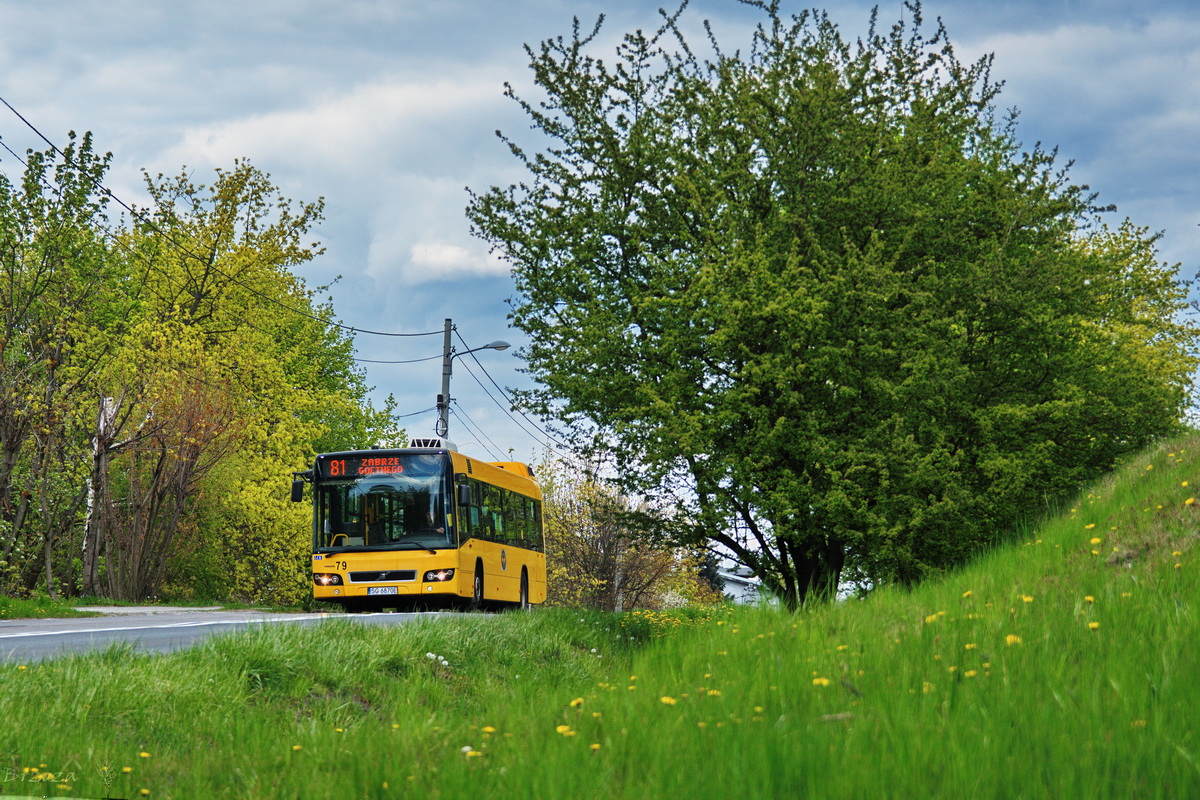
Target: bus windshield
column 402, row 508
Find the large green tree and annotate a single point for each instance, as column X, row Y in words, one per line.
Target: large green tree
column 815, row 291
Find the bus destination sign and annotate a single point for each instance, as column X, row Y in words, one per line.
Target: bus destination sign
column 355, row 466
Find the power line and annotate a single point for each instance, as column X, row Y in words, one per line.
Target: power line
column 182, row 248
column 478, row 431
column 415, row 413
column 547, row 443
column 409, row 361
column 135, row 296
column 513, row 405
column 153, row 226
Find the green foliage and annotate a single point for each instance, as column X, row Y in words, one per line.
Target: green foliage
column 818, row 293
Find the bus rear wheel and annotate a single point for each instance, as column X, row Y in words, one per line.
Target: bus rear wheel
column 523, row 603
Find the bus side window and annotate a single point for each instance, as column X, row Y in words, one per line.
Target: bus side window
column 472, row 521
column 519, row 524
column 493, row 510
column 538, row 542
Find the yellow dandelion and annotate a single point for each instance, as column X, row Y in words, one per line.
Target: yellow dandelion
column 594, row 746
column 970, row 646
column 820, row 681
column 970, row 673
column 144, row 792
column 296, row 748
column 668, row 701
column 967, row 593
column 1149, row 467
column 1094, row 540
column 842, row 647
column 1089, row 599
column 595, row 715
column 1093, row 625
column 714, row 693
column 562, row 728
column 144, row 754
column 473, row 754
column 1012, row 639
column 1089, row 526
column 488, row 729
column 1185, row 483
column 1191, row 501
column 577, row 702
column 927, row 687
column 1028, row 598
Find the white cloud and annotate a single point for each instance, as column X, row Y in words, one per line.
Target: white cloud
column 445, row 261
column 356, row 134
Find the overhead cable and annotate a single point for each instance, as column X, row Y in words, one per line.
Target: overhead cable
column 153, row 226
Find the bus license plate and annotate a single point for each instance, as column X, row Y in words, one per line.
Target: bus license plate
column 383, row 590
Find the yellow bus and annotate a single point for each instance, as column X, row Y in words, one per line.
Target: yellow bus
column 424, row 526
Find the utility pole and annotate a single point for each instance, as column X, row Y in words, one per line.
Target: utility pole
column 443, row 399
column 448, row 354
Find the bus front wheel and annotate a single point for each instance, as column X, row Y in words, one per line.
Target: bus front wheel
column 477, row 589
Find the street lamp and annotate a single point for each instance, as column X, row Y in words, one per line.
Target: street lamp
column 448, row 356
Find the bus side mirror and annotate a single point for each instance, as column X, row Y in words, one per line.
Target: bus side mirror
column 464, row 494
column 297, row 490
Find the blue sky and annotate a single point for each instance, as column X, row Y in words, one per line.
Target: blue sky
column 388, row 111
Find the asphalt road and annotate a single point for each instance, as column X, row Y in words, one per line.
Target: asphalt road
column 154, row 630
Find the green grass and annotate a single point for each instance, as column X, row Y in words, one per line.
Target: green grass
column 1056, row 667
column 39, row 607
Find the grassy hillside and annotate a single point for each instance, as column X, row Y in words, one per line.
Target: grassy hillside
column 1061, row 666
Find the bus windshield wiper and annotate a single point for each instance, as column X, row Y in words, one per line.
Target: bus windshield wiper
column 410, row 546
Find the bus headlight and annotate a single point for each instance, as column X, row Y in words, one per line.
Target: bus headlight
column 438, row 575
column 327, row 579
